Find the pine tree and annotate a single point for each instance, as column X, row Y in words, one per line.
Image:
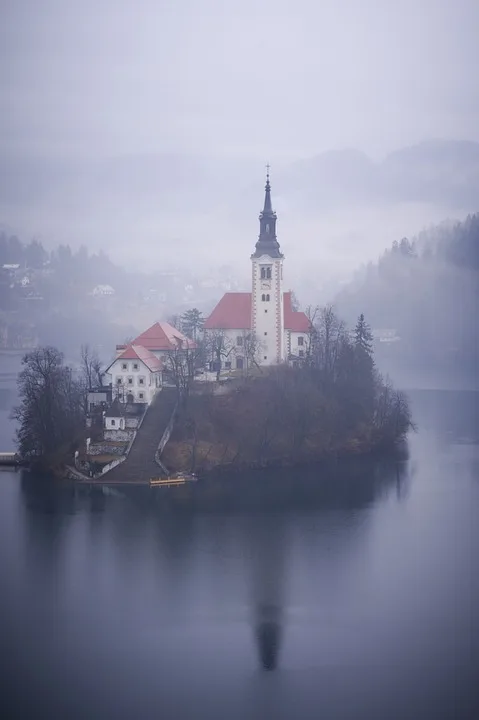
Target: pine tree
column 192, row 322
column 363, row 337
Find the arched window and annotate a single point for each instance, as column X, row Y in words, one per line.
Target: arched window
column 267, row 298
column 263, row 297
column 268, row 272
column 263, row 273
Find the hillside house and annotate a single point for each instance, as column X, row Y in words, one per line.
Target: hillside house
column 135, row 375
column 162, row 340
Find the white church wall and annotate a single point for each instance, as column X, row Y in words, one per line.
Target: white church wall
column 268, row 320
column 297, row 343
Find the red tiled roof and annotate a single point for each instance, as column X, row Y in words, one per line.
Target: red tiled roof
column 138, row 352
column 295, row 321
column 163, row 336
column 233, row 312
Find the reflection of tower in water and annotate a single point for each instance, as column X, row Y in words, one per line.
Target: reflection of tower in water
column 266, row 566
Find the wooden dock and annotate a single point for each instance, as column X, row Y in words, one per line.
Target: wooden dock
column 10, row 459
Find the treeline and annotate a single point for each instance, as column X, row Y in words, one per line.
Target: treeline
column 333, row 402
column 427, row 290
column 34, row 256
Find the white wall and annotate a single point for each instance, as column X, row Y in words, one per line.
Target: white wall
column 114, row 423
column 268, row 316
column 135, row 379
column 296, row 344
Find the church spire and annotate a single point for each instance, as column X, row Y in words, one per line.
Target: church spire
column 267, row 243
column 268, row 208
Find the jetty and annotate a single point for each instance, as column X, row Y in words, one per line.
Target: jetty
column 10, row 459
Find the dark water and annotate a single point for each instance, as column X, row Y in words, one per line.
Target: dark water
column 364, row 599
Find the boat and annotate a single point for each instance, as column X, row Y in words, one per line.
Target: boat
column 173, row 480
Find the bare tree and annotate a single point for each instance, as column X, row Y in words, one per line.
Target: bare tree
column 181, row 364
column 220, row 347
column 329, row 335
column 91, row 367
column 252, row 348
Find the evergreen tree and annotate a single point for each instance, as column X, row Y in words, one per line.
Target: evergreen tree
column 192, row 322
column 363, row 337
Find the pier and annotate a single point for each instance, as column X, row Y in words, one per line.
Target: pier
column 10, row 459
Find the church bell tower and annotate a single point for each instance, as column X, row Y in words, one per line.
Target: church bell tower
column 267, row 319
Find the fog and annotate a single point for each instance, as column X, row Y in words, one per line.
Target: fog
column 144, row 129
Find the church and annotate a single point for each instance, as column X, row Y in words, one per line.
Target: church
column 266, row 313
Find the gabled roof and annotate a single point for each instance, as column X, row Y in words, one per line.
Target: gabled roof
column 294, row 321
column 233, row 312
column 163, row 336
column 138, row 352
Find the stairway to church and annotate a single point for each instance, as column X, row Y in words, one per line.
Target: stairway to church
column 140, row 465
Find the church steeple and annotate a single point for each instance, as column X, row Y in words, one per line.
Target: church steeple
column 267, row 243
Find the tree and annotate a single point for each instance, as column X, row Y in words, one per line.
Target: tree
column 329, row 334
column 220, row 348
column 181, row 364
column 175, row 321
column 252, row 347
column 51, row 414
column 363, row 336
column 35, row 255
column 192, row 323
column 91, row 367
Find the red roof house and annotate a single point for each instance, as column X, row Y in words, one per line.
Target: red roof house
column 160, row 338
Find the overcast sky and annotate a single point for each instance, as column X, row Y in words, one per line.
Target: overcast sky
column 263, row 78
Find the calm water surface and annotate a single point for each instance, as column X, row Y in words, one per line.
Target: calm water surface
column 371, row 593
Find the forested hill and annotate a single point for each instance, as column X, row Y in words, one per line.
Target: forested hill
column 427, row 290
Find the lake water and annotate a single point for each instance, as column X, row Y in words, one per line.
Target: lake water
column 367, row 596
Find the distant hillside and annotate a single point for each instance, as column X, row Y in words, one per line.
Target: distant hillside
column 427, row 290
column 205, row 207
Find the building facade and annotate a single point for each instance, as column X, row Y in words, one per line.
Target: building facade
column 135, row 375
column 260, row 326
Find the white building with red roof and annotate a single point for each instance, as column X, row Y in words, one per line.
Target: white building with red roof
column 135, row 374
column 160, row 340
column 266, row 313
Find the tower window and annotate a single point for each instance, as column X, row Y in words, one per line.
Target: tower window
column 300, row 341
column 266, row 333
column 265, row 357
column 266, row 272
column 267, row 298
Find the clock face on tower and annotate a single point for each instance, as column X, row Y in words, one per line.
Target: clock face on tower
column 265, row 285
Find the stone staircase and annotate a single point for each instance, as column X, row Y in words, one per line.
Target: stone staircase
column 140, row 465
